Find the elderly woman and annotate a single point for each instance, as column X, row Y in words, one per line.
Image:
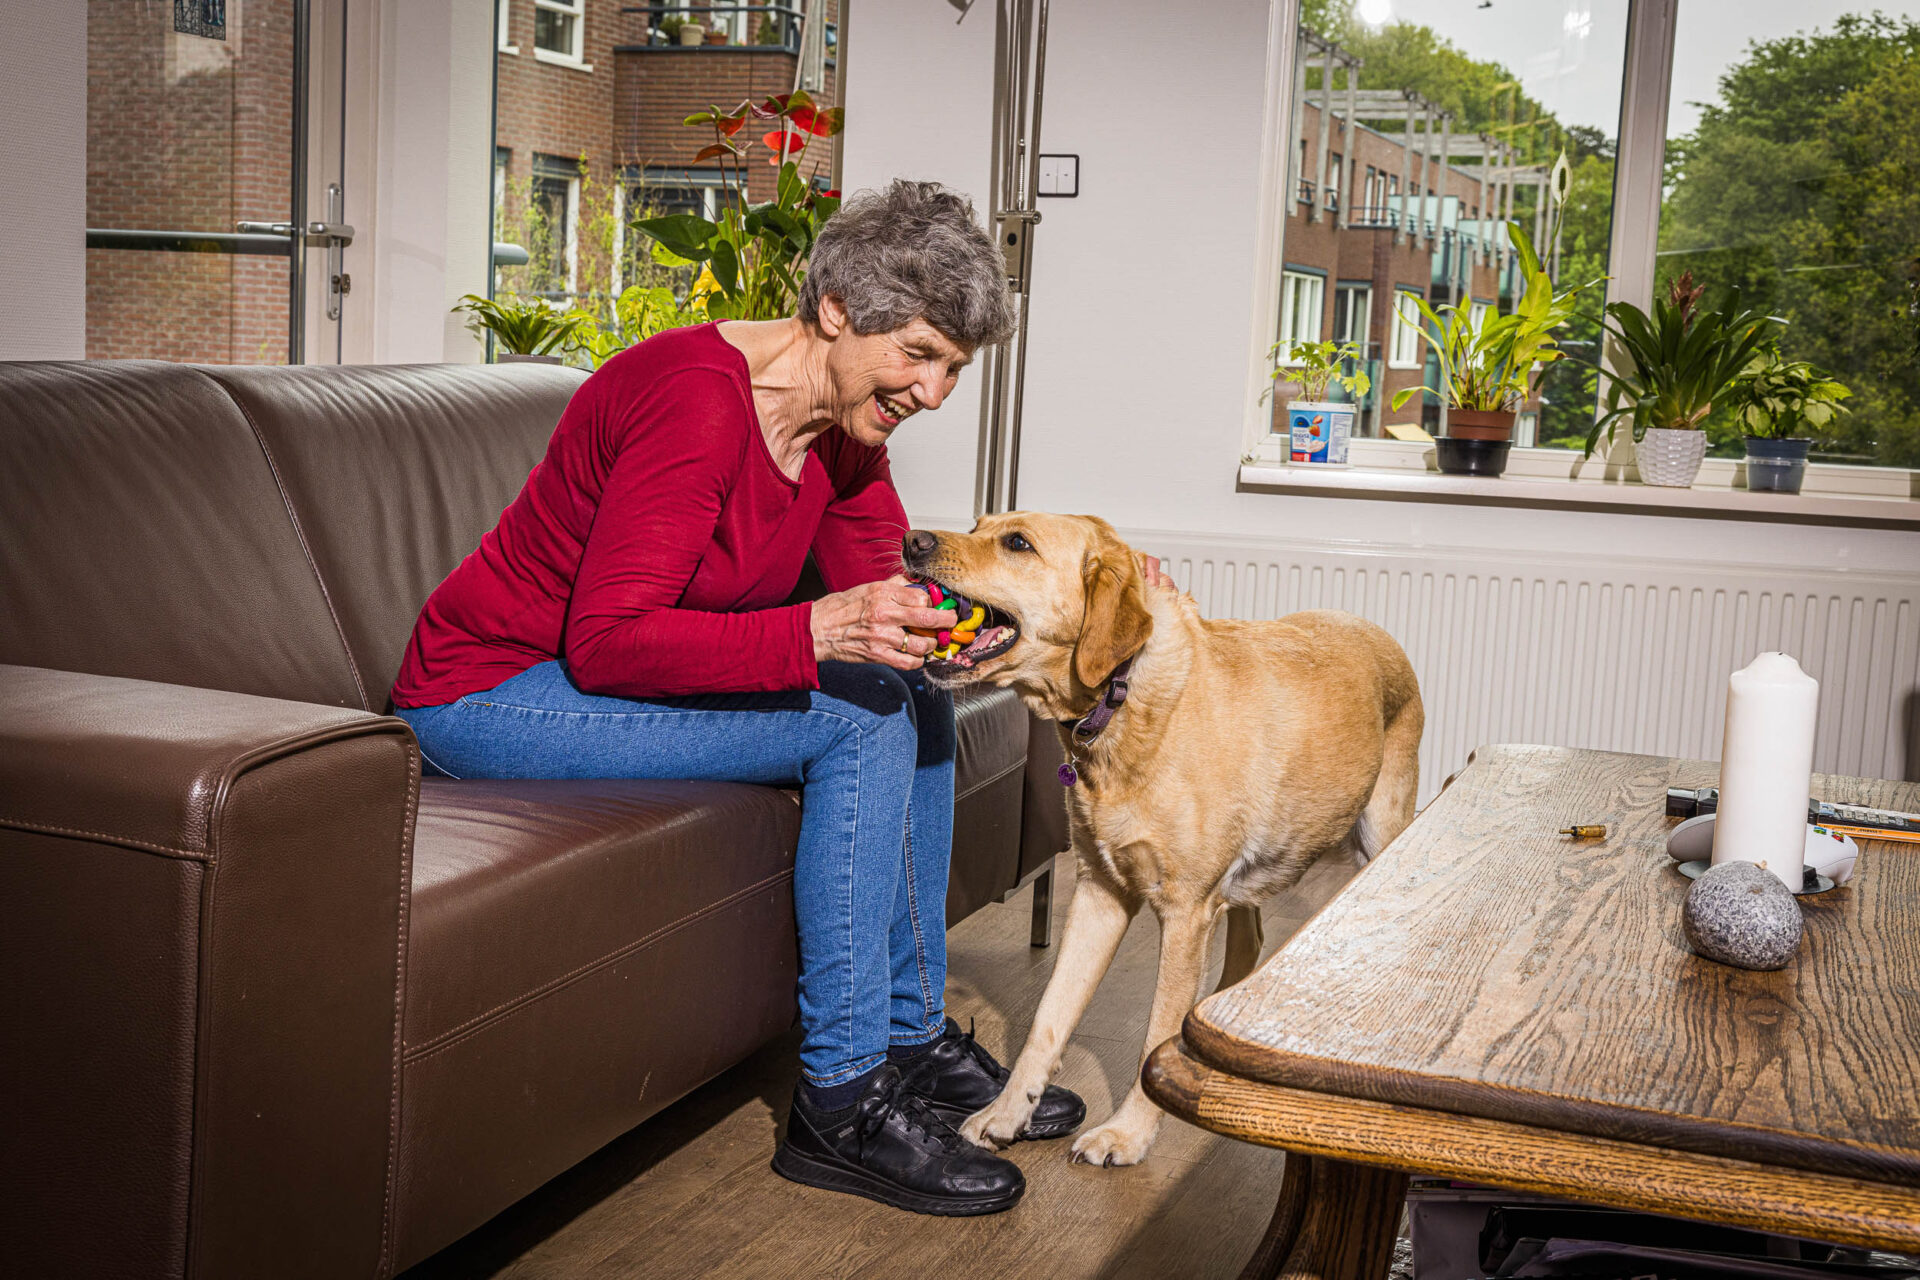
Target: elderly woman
column 624, row 619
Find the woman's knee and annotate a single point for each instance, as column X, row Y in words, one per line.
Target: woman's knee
column 868, row 690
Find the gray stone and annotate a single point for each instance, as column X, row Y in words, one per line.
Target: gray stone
column 1741, row 914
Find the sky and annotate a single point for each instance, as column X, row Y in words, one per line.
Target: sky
column 1568, row 53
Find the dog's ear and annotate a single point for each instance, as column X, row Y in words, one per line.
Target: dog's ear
column 1116, row 623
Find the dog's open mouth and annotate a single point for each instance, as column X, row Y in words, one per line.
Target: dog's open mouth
column 997, row 633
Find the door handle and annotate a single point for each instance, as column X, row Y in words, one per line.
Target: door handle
column 265, row 228
column 329, row 233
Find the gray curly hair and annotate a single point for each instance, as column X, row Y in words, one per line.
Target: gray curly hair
column 911, row 252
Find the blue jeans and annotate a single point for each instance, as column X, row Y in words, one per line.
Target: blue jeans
column 872, row 751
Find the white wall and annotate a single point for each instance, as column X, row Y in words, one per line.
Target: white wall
column 420, row 173
column 919, row 99
column 43, row 181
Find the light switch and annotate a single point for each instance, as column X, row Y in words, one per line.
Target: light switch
column 1059, row 175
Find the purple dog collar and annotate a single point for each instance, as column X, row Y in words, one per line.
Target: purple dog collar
column 1089, row 726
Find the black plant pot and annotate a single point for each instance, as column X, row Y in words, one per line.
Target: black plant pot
column 1776, row 465
column 1459, row 457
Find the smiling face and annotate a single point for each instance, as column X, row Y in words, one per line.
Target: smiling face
column 879, row 380
column 1066, row 586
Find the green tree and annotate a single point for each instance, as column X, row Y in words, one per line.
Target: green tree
column 1801, row 188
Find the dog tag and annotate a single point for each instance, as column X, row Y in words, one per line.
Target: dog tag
column 1067, row 775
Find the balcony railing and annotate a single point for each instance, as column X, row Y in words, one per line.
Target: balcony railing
column 786, row 18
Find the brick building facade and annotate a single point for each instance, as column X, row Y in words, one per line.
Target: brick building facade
column 1384, row 225
column 587, row 137
column 187, row 133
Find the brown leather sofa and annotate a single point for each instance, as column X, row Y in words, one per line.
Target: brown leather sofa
column 274, row 1006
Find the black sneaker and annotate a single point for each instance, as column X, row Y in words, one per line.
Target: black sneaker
column 956, row 1078
column 892, row 1147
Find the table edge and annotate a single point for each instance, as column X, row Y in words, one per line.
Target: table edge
column 1524, row 1157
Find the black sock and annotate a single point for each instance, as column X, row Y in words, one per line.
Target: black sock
column 836, row 1097
column 908, row 1052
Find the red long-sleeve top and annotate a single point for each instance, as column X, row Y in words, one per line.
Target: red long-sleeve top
column 653, row 545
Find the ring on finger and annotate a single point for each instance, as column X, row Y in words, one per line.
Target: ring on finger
column 903, row 642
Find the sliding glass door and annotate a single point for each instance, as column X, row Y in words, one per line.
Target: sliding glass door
column 211, row 236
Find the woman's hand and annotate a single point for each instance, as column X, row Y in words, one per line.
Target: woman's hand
column 1151, row 572
column 869, row 624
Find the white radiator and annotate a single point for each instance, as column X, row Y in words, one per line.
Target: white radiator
column 1604, row 652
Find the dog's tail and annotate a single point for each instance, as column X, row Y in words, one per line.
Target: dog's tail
column 1390, row 808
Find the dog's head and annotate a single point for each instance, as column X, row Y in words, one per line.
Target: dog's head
column 1064, row 598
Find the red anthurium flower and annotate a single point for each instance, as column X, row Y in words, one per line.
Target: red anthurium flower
column 730, row 125
column 817, row 123
column 795, row 141
column 831, row 193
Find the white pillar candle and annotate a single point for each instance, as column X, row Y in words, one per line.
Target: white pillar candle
column 1766, row 767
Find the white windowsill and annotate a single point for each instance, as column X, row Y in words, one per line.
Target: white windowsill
column 513, row 49
column 561, row 60
column 1399, row 471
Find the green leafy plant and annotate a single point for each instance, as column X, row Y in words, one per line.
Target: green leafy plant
column 769, row 32
column 523, row 326
column 1780, row 399
column 1678, row 360
column 1315, row 365
column 757, row 253
column 636, row 315
column 1492, row 363
column 669, row 27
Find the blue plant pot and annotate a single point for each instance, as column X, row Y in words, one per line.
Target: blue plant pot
column 1776, row 466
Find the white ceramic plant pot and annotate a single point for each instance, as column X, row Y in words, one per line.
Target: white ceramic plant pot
column 1669, row 457
column 693, row 33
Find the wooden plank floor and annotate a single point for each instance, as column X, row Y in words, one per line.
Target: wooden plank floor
column 689, row 1193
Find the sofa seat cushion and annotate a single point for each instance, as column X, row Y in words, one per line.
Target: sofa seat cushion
column 521, row 888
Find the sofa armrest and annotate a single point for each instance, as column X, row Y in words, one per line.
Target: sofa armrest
column 203, row 900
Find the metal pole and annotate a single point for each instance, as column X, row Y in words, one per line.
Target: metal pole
column 1483, row 216
column 1029, row 196
column 1426, row 171
column 1406, row 175
column 297, row 251
column 1317, row 211
column 1293, row 143
column 1350, row 141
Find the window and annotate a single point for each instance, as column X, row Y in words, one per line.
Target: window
column 553, row 211
column 1439, row 110
column 1403, row 347
column 503, row 39
column 1791, row 167
column 559, row 30
column 1352, row 304
column 1301, row 298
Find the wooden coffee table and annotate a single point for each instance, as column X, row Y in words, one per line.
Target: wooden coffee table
column 1494, row 1002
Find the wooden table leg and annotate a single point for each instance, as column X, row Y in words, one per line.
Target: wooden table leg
column 1334, row 1221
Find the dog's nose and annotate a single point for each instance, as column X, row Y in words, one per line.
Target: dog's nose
column 919, row 543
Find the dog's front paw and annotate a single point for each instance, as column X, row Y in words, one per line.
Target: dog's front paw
column 997, row 1124
column 1113, row 1144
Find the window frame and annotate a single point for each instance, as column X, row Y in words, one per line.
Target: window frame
column 1414, row 337
column 502, row 41
column 1639, row 167
column 576, row 58
column 1292, row 281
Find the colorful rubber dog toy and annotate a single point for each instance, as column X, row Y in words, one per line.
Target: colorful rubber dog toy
column 966, row 624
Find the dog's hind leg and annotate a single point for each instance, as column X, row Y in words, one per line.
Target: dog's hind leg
column 1245, row 938
column 1185, row 931
column 1097, row 919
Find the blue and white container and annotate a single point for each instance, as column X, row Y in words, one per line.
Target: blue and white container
column 1319, row 432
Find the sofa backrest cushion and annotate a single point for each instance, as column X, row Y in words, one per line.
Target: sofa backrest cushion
column 142, row 535
column 394, row 472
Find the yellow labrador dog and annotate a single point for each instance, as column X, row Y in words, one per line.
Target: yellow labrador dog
column 1237, row 754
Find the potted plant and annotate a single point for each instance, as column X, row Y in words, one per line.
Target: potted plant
column 1319, row 429
column 1490, row 367
column 669, row 27
column 526, row 329
column 637, row 314
column 755, row 255
column 1677, row 362
column 692, row 33
column 1775, row 399
column 718, row 34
